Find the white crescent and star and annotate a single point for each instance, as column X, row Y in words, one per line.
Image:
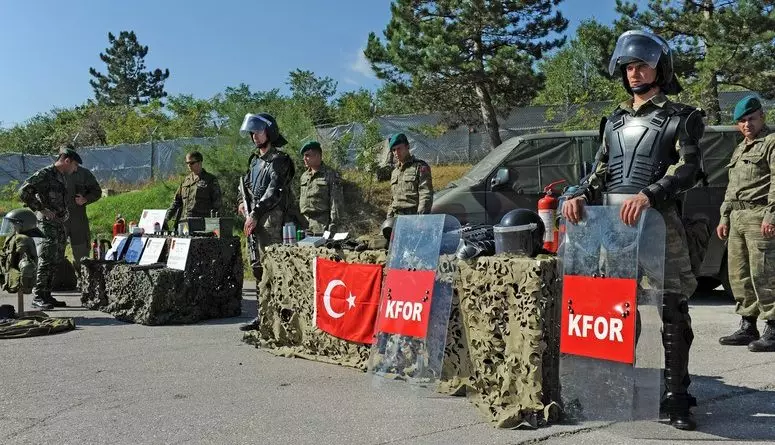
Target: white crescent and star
column 333, row 284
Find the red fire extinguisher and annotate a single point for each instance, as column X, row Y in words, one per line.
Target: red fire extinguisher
column 547, row 210
column 119, row 226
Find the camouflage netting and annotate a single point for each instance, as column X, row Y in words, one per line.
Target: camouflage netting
column 210, row 287
column 502, row 339
column 510, row 309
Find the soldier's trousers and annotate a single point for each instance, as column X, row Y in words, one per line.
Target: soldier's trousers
column 318, row 222
column 52, row 253
column 751, row 265
column 79, row 251
column 268, row 231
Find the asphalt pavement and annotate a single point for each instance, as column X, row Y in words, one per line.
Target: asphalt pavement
column 120, row 383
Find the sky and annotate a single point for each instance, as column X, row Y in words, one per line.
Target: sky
column 48, row 46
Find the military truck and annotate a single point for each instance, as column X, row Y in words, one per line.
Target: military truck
column 514, row 174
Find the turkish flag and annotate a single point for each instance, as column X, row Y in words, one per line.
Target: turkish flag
column 347, row 299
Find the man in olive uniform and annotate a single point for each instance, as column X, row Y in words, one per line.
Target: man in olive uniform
column 321, row 191
column 82, row 190
column 410, row 182
column 268, row 183
column 748, row 220
column 45, row 192
column 649, row 155
column 197, row 196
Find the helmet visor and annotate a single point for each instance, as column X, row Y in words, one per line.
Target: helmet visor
column 6, row 227
column 253, row 123
column 636, row 46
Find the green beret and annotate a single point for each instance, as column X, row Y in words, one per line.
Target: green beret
column 398, row 138
column 746, row 106
column 311, row 145
column 70, row 153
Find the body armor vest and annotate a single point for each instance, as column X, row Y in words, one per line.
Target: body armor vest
column 260, row 177
column 640, row 149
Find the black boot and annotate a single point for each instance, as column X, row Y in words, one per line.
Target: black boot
column 41, row 302
column 51, row 300
column 767, row 341
column 677, row 337
column 746, row 334
column 252, row 325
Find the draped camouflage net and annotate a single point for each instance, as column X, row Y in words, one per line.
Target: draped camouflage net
column 502, row 345
column 210, row 287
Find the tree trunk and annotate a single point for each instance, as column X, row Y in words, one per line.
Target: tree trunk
column 489, row 117
column 714, row 109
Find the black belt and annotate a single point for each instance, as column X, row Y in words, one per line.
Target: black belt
column 747, row 205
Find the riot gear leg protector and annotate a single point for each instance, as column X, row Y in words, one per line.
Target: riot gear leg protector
column 677, row 338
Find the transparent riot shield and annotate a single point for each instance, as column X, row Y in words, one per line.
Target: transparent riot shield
column 415, row 303
column 610, row 345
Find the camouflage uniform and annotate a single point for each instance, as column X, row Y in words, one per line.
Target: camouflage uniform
column 83, row 183
column 47, row 189
column 750, row 200
column 678, row 278
column 321, row 199
column 269, row 182
column 655, row 151
column 412, row 188
column 197, row 196
column 15, row 248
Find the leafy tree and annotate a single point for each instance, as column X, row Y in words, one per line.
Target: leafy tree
column 467, row 56
column 127, row 82
column 577, row 74
column 717, row 43
column 314, row 93
column 355, row 106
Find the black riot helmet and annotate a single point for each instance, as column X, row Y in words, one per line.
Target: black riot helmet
column 642, row 46
column 254, row 123
column 526, row 230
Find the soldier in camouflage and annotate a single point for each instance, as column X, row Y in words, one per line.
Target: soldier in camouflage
column 45, row 192
column 269, row 177
column 748, row 221
column 410, row 182
column 198, row 196
column 82, row 190
column 650, row 154
column 321, row 191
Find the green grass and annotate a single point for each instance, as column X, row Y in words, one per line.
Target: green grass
column 130, row 204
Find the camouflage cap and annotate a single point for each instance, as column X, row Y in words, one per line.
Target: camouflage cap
column 746, row 106
column 398, row 138
column 311, row 145
column 72, row 154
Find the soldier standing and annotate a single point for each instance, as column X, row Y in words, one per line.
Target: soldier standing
column 410, row 182
column 45, row 192
column 82, row 190
column 268, row 181
column 198, row 196
column 321, row 191
column 638, row 172
column 748, row 220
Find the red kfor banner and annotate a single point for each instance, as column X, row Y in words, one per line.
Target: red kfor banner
column 347, row 299
column 405, row 306
column 599, row 317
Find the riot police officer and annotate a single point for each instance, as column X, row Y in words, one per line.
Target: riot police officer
column 268, row 182
column 649, row 154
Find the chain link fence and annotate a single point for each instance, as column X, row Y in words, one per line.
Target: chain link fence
column 430, row 138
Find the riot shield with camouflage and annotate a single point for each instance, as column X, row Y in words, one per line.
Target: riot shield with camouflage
column 411, row 328
column 611, row 345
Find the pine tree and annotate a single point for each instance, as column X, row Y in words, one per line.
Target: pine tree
column 717, row 44
column 127, row 81
column 467, row 57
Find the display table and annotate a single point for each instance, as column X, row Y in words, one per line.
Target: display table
column 209, row 287
column 502, row 340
